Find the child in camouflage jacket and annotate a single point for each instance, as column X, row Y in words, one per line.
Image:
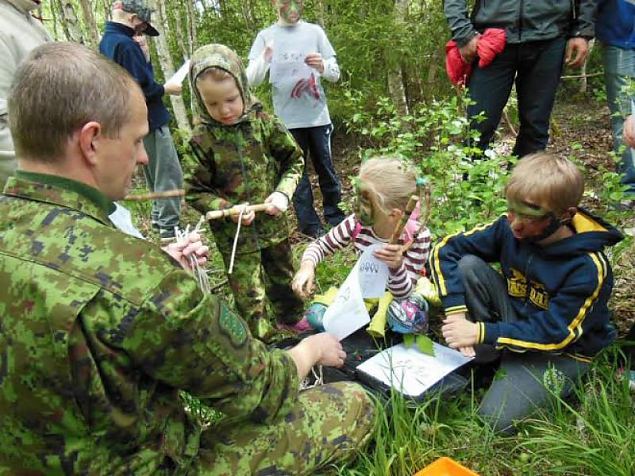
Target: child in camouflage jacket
column 243, row 155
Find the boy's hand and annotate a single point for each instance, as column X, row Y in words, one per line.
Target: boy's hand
column 315, row 61
column 248, row 217
column 278, row 203
column 458, row 332
column 173, row 89
column 392, row 255
column 303, row 280
column 190, row 246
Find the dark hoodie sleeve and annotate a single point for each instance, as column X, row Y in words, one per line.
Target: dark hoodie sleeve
column 459, row 21
column 130, row 56
column 483, row 241
column 567, row 316
column 285, row 150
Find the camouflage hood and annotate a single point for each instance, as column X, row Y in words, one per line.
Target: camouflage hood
column 220, row 56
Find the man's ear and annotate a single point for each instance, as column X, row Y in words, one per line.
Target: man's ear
column 89, row 137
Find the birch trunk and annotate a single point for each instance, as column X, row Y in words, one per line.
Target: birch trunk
column 191, row 28
column 167, row 66
column 89, row 23
column 396, row 86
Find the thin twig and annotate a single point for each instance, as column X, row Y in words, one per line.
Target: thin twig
column 155, row 195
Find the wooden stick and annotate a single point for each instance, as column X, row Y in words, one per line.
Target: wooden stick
column 412, row 203
column 235, row 211
column 155, row 195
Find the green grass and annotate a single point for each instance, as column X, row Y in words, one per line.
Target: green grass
column 592, row 437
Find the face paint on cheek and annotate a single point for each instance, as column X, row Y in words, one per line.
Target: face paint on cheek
column 290, row 11
column 363, row 206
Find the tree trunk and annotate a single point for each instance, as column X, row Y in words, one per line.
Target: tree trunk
column 165, row 60
column 396, row 86
column 180, row 34
column 191, row 28
column 89, row 23
column 71, row 22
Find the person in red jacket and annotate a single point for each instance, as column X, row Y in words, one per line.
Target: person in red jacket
column 541, row 36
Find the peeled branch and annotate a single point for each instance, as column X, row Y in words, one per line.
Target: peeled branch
column 235, row 211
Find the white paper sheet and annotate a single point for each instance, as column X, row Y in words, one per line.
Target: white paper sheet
column 179, row 76
column 289, row 67
column 410, row 371
column 373, row 274
column 347, row 312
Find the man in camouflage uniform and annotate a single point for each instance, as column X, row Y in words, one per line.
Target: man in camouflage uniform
column 253, row 159
column 101, row 330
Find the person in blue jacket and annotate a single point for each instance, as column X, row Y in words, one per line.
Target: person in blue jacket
column 163, row 172
column 545, row 313
column 615, row 28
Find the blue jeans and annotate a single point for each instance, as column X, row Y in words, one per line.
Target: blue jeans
column 316, row 145
column 535, row 67
column 619, row 70
column 524, row 383
column 162, row 173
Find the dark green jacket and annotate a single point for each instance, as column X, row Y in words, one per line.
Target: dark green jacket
column 523, row 20
column 98, row 333
column 244, row 162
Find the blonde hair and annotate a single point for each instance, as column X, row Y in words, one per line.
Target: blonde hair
column 215, row 74
column 389, row 181
column 552, row 182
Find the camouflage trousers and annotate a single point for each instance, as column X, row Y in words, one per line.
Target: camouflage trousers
column 330, row 425
column 261, row 284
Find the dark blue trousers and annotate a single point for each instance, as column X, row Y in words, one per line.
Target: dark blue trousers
column 535, row 67
column 316, row 146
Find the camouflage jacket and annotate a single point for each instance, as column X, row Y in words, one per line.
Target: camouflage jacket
column 99, row 332
column 245, row 162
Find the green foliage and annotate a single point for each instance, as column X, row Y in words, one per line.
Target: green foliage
column 467, row 186
column 355, row 28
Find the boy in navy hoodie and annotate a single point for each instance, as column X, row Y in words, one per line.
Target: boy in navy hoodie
column 545, row 313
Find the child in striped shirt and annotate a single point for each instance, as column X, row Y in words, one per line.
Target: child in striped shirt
column 383, row 187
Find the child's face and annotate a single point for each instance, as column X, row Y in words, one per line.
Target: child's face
column 222, row 99
column 527, row 220
column 364, row 207
column 289, row 10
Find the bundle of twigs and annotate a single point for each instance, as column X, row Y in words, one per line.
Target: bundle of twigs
column 199, row 272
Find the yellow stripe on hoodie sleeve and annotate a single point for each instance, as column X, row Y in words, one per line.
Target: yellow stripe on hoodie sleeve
column 437, row 275
column 576, row 323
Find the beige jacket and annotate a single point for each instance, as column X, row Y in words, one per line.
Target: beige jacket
column 19, row 34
